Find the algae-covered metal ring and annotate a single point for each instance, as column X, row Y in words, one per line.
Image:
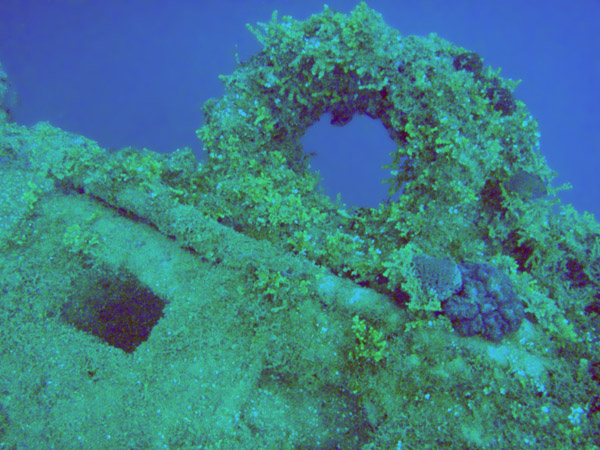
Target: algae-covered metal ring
column 461, row 136
column 466, row 150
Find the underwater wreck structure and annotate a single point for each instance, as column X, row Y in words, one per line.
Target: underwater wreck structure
column 152, row 301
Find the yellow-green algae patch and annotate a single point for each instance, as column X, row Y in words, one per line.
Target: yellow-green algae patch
column 149, row 301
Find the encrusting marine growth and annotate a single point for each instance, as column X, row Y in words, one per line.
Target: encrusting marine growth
column 460, row 313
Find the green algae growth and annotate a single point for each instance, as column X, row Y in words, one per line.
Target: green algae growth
column 150, row 302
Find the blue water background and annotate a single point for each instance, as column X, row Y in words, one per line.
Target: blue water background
column 136, row 73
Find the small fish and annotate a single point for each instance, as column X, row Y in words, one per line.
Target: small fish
column 527, row 185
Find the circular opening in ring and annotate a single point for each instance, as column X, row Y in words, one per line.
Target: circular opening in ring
column 350, row 159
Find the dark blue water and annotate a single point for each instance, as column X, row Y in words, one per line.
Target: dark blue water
column 137, row 73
